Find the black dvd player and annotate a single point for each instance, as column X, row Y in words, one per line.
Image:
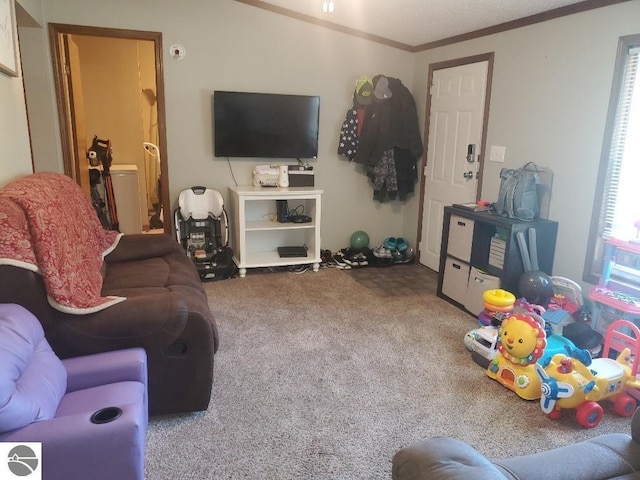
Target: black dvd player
column 286, row 252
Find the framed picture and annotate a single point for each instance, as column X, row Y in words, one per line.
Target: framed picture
column 8, row 54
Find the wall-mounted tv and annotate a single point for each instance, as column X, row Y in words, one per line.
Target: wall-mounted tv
column 265, row 125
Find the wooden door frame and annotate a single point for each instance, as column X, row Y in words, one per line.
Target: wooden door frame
column 56, row 32
column 484, row 57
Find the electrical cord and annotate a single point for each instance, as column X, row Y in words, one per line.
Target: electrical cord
column 299, row 210
column 231, row 170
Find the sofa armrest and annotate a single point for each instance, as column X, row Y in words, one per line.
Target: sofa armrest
column 442, row 458
column 138, row 246
column 77, row 431
column 147, row 321
column 611, row 455
column 108, row 367
column 109, row 450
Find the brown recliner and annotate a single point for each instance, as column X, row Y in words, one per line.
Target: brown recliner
column 52, row 261
column 166, row 313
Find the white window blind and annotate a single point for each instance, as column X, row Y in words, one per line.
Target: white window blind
column 621, row 209
column 617, row 202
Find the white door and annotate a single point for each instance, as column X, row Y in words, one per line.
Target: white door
column 455, row 128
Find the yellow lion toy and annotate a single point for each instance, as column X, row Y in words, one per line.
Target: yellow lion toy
column 521, row 342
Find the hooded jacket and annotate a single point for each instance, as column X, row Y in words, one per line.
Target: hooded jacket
column 390, row 123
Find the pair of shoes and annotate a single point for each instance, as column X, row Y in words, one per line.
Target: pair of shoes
column 382, row 252
column 393, row 243
column 406, row 256
column 326, row 258
column 360, row 258
column 340, row 262
column 357, row 260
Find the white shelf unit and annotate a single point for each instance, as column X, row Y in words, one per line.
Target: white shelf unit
column 256, row 234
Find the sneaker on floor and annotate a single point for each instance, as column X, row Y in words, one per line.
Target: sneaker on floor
column 361, row 259
column 340, row 262
column 390, row 243
column 401, row 244
column 382, row 252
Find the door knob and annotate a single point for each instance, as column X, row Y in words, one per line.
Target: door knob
column 468, row 175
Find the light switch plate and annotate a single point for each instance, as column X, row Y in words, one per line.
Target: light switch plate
column 497, row 154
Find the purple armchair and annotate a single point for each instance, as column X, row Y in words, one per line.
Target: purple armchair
column 89, row 413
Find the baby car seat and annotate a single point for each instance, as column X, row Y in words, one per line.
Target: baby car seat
column 202, row 228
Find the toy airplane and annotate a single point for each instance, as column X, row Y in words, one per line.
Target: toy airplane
column 569, row 383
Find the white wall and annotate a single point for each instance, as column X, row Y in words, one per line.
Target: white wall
column 41, row 104
column 15, row 149
column 232, row 46
column 550, row 93
column 549, row 100
column 33, row 9
column 15, row 154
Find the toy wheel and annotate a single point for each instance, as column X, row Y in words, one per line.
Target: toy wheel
column 555, row 414
column 624, row 405
column 589, row 414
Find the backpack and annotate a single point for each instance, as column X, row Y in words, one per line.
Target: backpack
column 518, row 195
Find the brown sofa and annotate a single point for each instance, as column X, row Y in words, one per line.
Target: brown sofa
column 166, row 312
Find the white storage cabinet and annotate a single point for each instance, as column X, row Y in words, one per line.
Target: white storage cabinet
column 256, row 234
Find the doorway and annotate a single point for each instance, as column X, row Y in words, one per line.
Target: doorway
column 109, row 84
column 455, row 134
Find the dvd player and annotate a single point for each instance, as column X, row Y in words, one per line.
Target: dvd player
column 286, row 252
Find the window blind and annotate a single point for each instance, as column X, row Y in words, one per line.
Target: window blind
column 618, row 142
column 616, row 205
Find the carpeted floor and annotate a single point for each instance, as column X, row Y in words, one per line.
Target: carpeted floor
column 319, row 377
column 397, row 280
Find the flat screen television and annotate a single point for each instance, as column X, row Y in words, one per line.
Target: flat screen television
column 265, row 125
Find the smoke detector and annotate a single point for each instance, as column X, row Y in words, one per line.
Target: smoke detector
column 176, row 51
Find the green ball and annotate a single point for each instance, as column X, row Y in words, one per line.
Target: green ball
column 359, row 240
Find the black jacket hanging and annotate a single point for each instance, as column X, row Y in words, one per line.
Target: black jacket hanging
column 389, row 123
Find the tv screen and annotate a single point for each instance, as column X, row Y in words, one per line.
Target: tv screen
column 265, row 125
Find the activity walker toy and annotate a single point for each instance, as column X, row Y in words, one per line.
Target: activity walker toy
column 522, row 340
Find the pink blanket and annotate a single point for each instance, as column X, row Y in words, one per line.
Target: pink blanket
column 48, row 225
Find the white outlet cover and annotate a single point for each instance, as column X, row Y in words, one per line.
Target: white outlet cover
column 496, row 154
column 177, row 51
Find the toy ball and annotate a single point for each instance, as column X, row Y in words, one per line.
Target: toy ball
column 536, row 287
column 359, row 240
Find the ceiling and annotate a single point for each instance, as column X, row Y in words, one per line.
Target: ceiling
column 420, row 24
